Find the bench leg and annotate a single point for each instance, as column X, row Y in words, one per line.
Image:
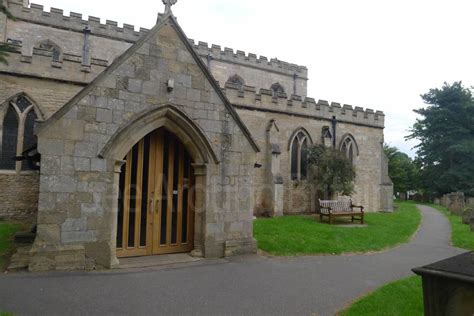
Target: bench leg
column 330, row 219
column 321, row 218
column 352, row 219
column 362, row 219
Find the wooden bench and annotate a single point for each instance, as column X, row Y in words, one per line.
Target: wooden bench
column 333, row 208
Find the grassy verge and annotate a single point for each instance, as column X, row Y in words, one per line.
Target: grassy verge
column 404, row 297
column 303, row 235
column 7, row 231
column 461, row 235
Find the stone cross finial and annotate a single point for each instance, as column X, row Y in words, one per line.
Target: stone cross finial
column 168, row 4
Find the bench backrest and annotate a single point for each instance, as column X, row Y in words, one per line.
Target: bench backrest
column 335, row 206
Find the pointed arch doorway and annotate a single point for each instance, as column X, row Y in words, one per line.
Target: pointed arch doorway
column 156, row 198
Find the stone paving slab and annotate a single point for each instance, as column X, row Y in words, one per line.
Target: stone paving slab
column 154, row 261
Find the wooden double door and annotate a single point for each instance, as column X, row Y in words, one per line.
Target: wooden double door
column 156, row 198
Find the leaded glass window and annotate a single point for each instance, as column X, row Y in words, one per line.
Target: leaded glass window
column 299, row 155
column 236, row 81
column 9, row 140
column 18, row 133
column 277, row 89
column 349, row 148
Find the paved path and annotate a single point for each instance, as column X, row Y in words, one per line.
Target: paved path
column 318, row 285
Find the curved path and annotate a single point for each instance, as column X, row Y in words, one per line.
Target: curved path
column 318, row 285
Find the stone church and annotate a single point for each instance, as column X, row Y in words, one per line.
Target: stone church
column 122, row 143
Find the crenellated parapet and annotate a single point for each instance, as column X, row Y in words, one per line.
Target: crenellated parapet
column 226, row 54
column 264, row 100
column 55, row 17
column 36, row 13
column 42, row 64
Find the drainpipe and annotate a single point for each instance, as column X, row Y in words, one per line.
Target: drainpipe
column 295, row 76
column 209, row 58
column 334, row 124
column 86, row 57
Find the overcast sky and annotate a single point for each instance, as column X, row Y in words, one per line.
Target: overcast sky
column 370, row 53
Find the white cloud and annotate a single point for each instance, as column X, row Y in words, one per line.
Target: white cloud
column 370, row 53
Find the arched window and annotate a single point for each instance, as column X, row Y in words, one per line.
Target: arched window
column 299, row 146
column 51, row 47
column 9, row 140
column 236, row 81
column 18, row 133
column 277, row 89
column 349, row 147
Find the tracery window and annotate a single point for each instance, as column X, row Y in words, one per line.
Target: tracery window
column 277, row 89
column 237, row 81
column 349, row 147
column 18, row 133
column 50, row 46
column 299, row 146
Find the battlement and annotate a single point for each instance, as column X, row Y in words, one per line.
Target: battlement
column 226, row 54
column 264, row 100
column 42, row 63
column 55, row 17
column 35, row 13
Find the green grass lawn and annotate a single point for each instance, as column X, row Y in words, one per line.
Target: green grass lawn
column 402, row 297
column 461, row 235
column 7, row 231
column 305, row 235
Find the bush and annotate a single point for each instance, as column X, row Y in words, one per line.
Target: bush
column 330, row 170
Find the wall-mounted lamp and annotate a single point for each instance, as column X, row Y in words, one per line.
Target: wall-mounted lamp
column 170, row 85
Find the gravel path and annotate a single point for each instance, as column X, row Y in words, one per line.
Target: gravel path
column 317, row 285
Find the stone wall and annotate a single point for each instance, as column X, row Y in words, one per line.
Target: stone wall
column 226, row 63
column 19, row 192
column 298, row 196
column 105, row 42
column 83, row 143
column 51, row 84
column 19, row 196
column 48, row 95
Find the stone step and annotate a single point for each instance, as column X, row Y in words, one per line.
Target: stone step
column 16, row 266
column 26, row 237
column 23, row 250
column 20, row 260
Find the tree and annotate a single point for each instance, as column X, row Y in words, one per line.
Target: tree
column 402, row 170
column 5, row 48
column 446, row 134
column 330, row 171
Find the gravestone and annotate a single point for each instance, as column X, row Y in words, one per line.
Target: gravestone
column 456, row 203
column 470, row 202
column 467, row 215
column 444, row 200
column 448, row 286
